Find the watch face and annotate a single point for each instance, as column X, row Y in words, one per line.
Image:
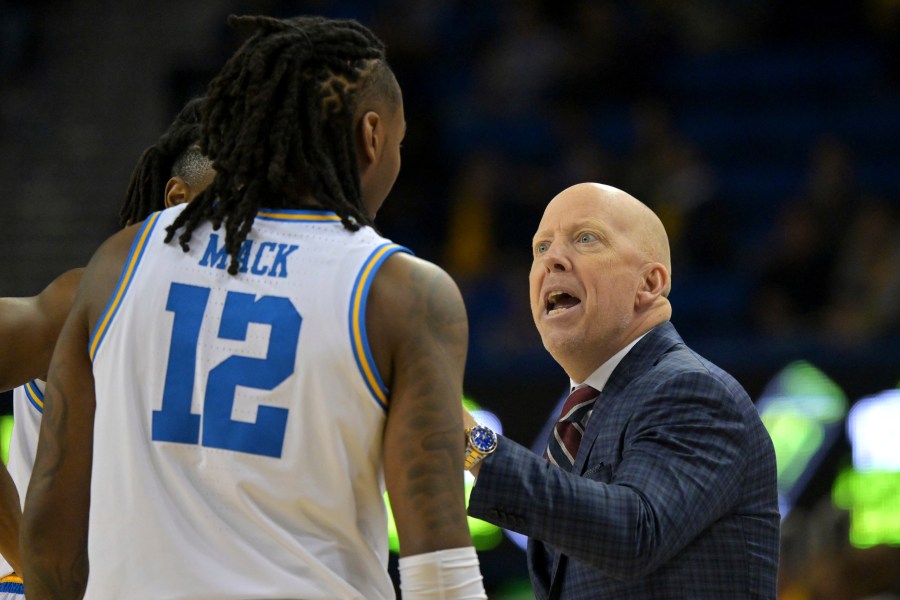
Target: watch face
column 483, row 439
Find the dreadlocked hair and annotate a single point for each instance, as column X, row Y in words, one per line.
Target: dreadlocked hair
column 278, row 124
column 146, row 190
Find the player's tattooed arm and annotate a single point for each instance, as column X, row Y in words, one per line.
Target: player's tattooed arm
column 54, row 524
column 54, row 528
column 418, row 330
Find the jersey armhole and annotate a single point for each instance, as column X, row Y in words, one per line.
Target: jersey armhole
column 131, row 263
column 34, row 394
column 358, row 338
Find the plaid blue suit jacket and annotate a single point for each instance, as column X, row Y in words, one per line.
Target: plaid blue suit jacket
column 673, row 492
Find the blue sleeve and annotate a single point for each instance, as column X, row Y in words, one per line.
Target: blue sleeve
column 680, row 468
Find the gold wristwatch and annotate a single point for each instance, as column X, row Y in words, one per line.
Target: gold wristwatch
column 480, row 441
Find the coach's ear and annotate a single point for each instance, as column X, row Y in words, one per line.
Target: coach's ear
column 177, row 192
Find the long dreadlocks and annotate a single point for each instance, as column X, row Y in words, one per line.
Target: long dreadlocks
column 278, row 123
column 175, row 153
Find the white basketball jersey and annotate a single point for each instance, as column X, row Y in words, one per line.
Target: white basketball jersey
column 28, row 404
column 239, row 419
column 28, row 407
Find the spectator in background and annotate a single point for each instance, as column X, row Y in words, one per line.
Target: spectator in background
column 470, row 239
column 680, row 187
column 792, row 289
column 521, row 64
column 847, row 574
column 831, row 184
column 864, row 302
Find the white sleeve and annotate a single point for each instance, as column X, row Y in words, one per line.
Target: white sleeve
column 452, row 574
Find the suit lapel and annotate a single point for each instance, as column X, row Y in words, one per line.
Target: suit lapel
column 643, row 356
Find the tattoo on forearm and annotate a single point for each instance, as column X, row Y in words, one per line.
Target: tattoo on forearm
column 50, row 574
column 444, row 339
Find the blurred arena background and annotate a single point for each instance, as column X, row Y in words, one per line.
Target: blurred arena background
column 765, row 133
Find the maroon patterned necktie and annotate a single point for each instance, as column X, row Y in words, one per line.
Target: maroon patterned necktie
column 566, row 436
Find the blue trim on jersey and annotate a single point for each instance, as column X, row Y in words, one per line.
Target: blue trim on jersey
column 34, row 395
column 131, row 263
column 358, row 338
column 295, row 215
column 11, row 587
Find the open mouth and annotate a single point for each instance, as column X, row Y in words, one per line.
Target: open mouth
column 558, row 302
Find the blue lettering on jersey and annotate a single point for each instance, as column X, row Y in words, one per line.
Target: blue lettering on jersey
column 266, row 436
column 175, row 422
column 214, row 256
column 270, row 258
column 188, row 303
column 279, row 267
column 257, row 270
column 244, row 255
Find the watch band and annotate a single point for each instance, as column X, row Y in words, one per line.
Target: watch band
column 473, row 457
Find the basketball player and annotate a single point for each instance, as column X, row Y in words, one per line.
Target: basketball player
column 173, row 171
column 29, row 328
column 238, row 400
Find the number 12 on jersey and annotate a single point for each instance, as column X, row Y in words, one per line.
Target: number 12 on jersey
column 175, row 422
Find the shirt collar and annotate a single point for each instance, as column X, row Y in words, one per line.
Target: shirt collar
column 598, row 378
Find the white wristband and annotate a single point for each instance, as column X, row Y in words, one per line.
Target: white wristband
column 442, row 575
